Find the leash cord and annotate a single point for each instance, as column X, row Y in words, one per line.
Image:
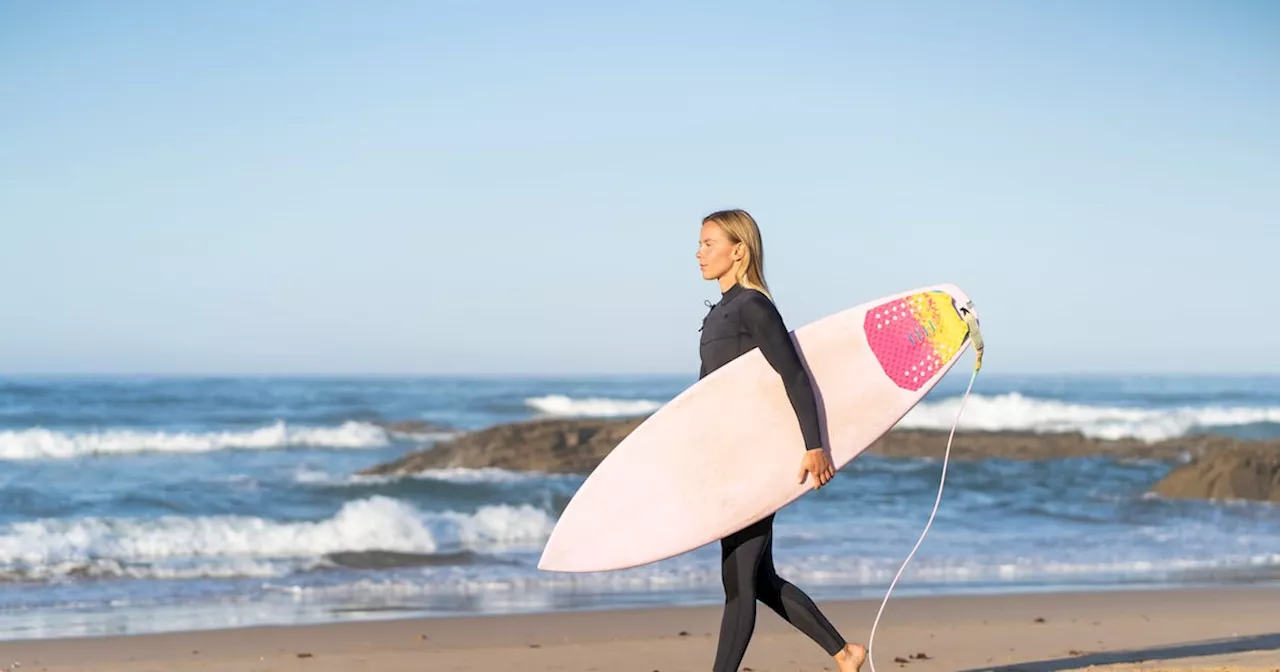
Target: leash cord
column 945, row 459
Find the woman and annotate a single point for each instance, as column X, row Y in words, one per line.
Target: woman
column 730, row 252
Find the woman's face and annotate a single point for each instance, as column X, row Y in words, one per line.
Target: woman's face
column 716, row 253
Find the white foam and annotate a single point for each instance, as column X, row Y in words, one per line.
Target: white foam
column 1015, row 412
column 36, row 443
column 186, row 544
column 1005, row 412
column 308, row 476
column 227, row 568
column 700, row 570
column 484, row 475
column 560, row 405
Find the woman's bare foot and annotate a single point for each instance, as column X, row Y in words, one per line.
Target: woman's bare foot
column 851, row 658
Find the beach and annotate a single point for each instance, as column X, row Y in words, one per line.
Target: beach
column 1180, row 629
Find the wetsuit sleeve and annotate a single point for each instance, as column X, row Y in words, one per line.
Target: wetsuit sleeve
column 762, row 321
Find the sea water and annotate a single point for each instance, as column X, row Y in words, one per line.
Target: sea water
column 140, row 505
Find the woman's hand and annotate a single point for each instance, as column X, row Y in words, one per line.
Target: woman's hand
column 817, row 463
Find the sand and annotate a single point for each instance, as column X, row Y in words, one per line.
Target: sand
column 1234, row 629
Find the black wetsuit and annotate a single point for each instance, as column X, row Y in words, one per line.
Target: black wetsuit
column 745, row 319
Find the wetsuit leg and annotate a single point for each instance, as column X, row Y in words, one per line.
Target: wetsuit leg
column 747, row 570
column 740, row 556
column 793, row 605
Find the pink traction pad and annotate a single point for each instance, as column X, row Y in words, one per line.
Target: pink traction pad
column 915, row 336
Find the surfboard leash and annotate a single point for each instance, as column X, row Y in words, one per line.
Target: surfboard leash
column 975, row 336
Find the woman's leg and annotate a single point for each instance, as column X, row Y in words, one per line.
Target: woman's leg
column 746, row 566
column 792, row 604
column 740, row 556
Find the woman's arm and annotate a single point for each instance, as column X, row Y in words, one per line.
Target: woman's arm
column 764, row 323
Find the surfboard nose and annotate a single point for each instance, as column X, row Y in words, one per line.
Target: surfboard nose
column 548, row 561
column 570, row 549
column 961, row 298
column 555, row 559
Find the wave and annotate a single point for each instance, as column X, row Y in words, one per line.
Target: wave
column 1004, row 412
column 1015, row 412
column 225, row 546
column 600, row 407
column 870, row 574
column 36, row 443
column 460, row 475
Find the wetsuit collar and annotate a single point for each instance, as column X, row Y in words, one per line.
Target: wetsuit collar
column 731, row 292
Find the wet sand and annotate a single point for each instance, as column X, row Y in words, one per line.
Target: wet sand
column 1235, row 628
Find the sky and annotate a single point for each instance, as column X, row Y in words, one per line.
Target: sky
column 516, row 188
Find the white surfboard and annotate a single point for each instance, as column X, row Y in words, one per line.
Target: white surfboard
column 725, row 452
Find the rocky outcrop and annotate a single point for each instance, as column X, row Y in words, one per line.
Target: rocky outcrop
column 983, row 445
column 550, row 446
column 1239, row 472
column 578, row 445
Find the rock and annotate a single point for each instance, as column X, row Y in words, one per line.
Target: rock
column 549, row 446
column 1239, row 472
column 982, row 445
column 577, row 445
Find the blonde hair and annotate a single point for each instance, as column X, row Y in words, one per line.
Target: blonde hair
column 740, row 227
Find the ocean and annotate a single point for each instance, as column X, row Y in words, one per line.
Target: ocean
column 132, row 505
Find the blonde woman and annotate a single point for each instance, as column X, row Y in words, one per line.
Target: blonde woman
column 730, row 252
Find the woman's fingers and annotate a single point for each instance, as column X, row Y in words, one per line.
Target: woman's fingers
column 822, row 470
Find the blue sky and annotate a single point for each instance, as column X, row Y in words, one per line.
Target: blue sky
column 488, row 187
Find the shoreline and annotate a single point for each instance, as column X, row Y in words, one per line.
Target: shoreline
column 1180, row 628
column 282, row 611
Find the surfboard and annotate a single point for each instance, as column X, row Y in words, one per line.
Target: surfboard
column 726, row 451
